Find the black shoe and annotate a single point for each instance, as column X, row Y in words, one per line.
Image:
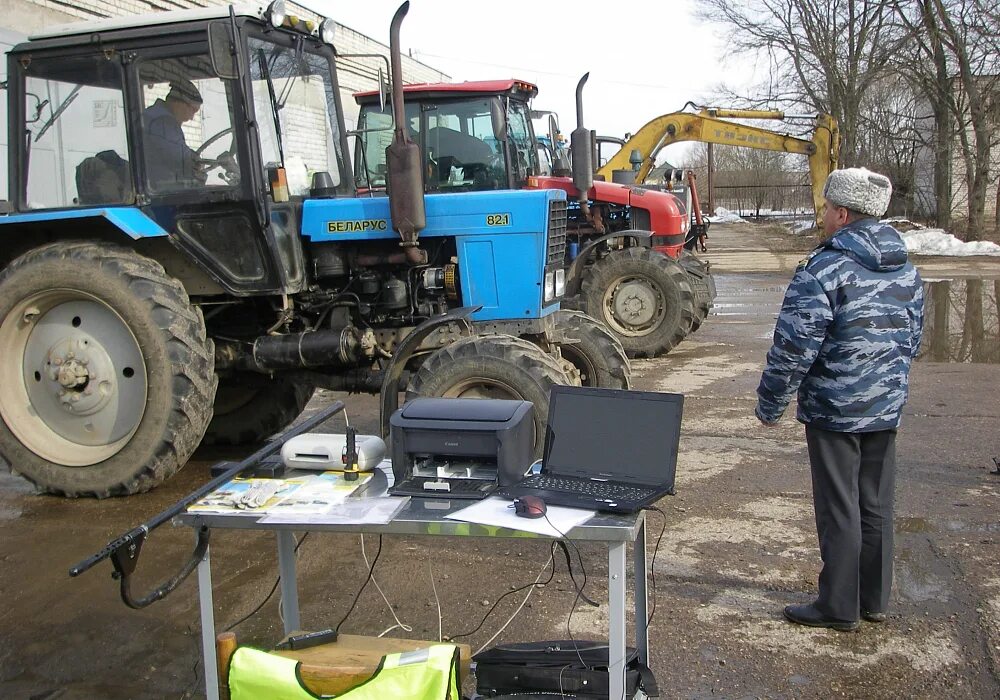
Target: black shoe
column 811, row 617
column 873, row 616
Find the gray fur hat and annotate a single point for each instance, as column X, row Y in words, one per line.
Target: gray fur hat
column 860, row 190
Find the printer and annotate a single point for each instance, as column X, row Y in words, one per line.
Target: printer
column 460, row 448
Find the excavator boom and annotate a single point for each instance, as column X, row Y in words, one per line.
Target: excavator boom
column 708, row 127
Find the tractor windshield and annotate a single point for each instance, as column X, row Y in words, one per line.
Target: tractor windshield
column 460, row 149
column 296, row 109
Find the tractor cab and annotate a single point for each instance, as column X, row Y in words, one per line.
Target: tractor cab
column 473, row 136
column 204, row 124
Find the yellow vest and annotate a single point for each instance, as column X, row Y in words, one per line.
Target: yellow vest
column 424, row 674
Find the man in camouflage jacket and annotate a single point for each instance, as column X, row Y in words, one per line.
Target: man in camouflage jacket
column 849, row 328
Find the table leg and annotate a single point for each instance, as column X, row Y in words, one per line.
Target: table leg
column 616, row 620
column 207, row 607
column 641, row 594
column 289, row 582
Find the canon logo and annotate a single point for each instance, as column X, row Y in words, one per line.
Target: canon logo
column 451, row 444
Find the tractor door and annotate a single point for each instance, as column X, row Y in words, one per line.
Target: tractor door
column 195, row 180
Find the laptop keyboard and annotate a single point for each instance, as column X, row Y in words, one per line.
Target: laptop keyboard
column 587, row 487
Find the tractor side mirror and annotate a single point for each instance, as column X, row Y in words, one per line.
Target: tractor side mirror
column 499, row 120
column 222, row 50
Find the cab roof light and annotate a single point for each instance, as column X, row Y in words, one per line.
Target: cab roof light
column 276, row 13
column 327, row 31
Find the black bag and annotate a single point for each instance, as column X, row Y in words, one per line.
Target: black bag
column 555, row 667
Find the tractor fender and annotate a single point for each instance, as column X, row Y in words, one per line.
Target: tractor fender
column 121, row 225
column 574, row 275
column 389, row 396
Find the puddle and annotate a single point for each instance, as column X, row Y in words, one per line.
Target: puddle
column 918, row 586
column 914, row 525
column 961, row 321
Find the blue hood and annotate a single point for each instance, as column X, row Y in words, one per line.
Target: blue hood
column 875, row 245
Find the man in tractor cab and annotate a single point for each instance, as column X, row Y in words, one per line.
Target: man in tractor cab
column 169, row 160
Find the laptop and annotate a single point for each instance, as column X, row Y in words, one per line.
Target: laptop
column 606, row 449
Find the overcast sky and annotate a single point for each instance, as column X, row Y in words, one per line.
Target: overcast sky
column 645, row 57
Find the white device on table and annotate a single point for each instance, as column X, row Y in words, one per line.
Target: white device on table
column 325, row 451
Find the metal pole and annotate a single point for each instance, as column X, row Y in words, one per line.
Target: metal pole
column 711, row 179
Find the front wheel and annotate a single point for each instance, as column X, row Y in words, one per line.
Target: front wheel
column 107, row 379
column 491, row 367
column 643, row 297
column 594, row 351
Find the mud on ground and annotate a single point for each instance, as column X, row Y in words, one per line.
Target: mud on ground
column 739, row 544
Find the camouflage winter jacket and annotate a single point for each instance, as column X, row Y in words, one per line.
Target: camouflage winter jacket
column 848, row 330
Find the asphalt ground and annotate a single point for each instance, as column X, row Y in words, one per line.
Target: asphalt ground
column 739, row 541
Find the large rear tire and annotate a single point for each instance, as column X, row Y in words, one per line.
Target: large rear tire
column 491, row 367
column 251, row 409
column 594, row 350
column 107, row 379
column 643, row 297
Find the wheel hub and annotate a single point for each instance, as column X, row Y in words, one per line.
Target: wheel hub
column 634, row 304
column 81, row 376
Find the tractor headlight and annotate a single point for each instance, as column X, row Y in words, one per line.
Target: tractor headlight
column 560, row 282
column 550, row 287
column 276, row 13
column 326, row 31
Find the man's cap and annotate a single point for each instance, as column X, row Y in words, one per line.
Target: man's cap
column 185, row 91
column 859, row 189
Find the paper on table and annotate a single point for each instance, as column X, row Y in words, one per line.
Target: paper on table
column 355, row 511
column 498, row 512
column 310, row 493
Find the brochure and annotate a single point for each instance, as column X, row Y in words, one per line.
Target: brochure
column 307, row 494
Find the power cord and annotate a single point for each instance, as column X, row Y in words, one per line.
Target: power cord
column 579, row 590
column 399, row 623
column 271, row 593
column 652, row 563
column 519, row 607
column 437, row 600
column 516, row 590
column 371, row 572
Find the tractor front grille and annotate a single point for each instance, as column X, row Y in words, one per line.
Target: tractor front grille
column 556, row 254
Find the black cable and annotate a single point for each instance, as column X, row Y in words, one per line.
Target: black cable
column 652, row 563
column 547, row 581
column 268, row 597
column 371, row 572
column 569, row 567
column 579, row 591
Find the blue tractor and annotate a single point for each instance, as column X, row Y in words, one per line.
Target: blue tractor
column 184, row 256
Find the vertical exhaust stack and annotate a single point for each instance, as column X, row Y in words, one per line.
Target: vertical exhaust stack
column 405, row 172
column 582, row 153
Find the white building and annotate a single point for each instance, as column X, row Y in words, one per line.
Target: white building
column 22, row 18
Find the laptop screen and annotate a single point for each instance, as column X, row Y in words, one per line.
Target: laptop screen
column 613, row 434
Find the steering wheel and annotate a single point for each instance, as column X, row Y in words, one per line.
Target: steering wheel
column 212, row 139
column 225, row 160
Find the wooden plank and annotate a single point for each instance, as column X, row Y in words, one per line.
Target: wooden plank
column 335, row 668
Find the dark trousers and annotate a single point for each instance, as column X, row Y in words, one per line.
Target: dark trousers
column 853, row 476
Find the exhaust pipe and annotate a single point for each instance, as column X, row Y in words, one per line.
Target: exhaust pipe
column 582, row 150
column 405, row 171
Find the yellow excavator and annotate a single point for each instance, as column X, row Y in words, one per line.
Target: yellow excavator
column 639, row 151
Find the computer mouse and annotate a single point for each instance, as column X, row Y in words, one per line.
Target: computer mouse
column 529, row 507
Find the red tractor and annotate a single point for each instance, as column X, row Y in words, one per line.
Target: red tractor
column 627, row 266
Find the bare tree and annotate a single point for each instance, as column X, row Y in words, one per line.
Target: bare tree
column 955, row 64
column 824, row 54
